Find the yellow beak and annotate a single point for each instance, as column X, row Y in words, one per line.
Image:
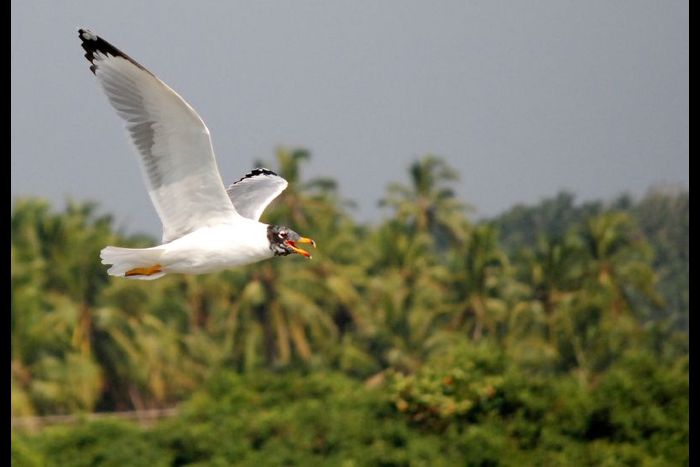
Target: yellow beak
column 292, row 245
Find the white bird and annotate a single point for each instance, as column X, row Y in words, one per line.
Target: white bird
column 206, row 227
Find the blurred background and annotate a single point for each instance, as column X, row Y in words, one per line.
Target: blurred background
column 499, row 193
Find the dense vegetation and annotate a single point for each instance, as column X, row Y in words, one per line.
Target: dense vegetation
column 554, row 334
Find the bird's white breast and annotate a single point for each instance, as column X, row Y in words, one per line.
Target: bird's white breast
column 223, row 246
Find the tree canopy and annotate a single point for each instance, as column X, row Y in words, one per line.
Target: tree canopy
column 553, row 334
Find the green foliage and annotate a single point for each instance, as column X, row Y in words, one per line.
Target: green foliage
column 664, row 217
column 104, row 443
column 468, row 406
column 554, row 334
column 23, row 455
column 275, row 419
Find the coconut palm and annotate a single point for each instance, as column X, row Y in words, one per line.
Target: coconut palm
column 478, row 271
column 288, row 312
column 554, row 271
column 619, row 261
column 428, row 204
column 55, row 283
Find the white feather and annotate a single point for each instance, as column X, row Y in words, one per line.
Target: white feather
column 253, row 193
column 177, row 157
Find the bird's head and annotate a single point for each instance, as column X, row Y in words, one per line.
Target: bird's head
column 283, row 241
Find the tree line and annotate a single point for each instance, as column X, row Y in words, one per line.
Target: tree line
column 441, row 318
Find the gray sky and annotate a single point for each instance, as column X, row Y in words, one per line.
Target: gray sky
column 523, row 98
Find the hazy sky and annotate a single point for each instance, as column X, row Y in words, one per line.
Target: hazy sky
column 523, row 98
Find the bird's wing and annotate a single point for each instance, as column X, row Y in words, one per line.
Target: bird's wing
column 251, row 194
column 177, row 157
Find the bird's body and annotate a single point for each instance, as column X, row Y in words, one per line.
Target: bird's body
column 222, row 246
column 206, row 226
column 205, row 250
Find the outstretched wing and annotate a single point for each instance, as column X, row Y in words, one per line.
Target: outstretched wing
column 177, row 157
column 251, row 194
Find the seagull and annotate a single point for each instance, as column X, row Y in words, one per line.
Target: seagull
column 207, row 227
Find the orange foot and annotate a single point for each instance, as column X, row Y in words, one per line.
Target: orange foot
column 149, row 271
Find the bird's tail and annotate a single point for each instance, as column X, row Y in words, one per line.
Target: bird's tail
column 133, row 263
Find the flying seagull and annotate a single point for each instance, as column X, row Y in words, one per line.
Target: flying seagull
column 206, row 226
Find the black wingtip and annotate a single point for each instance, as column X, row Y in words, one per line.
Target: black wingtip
column 93, row 43
column 255, row 173
column 89, row 44
column 260, row 171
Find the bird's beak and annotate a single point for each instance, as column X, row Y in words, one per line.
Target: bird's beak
column 292, row 245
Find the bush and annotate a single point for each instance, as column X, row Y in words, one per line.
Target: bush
column 103, row 443
column 468, row 406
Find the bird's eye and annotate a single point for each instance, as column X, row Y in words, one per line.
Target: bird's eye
column 283, row 234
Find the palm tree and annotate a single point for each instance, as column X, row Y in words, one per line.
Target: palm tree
column 287, row 310
column 478, row 271
column 427, row 204
column 554, row 270
column 55, row 284
column 619, row 261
